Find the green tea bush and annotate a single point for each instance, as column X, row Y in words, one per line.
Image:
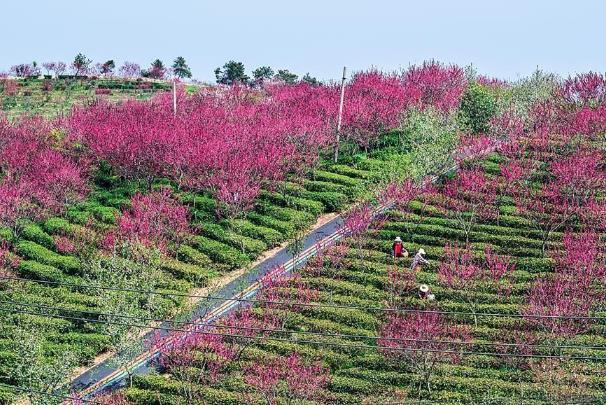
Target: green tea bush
column 349, row 171
column 352, row 385
column 284, row 227
column 78, row 216
column 351, row 317
column 250, row 246
column 58, row 226
column 197, row 275
column 152, row 397
column 199, row 202
column 33, row 251
column 301, row 204
column 333, row 201
column 268, row 235
column 220, row 252
column 298, row 218
column 36, row 234
column 336, row 178
column 107, row 215
column 190, row 255
column 316, row 185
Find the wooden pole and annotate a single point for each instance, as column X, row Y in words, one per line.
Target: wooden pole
column 340, row 114
column 175, row 97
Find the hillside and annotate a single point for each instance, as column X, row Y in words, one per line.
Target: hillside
column 115, row 211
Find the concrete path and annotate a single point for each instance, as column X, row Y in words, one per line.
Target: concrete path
column 106, row 374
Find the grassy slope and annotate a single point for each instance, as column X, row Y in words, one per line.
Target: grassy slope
column 31, row 97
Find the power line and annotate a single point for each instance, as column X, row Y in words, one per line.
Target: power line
column 309, row 305
column 301, row 341
column 321, row 334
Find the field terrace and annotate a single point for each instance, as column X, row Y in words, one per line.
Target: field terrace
column 131, row 196
column 516, row 251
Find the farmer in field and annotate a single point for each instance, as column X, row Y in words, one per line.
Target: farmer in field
column 425, row 293
column 397, row 249
column 418, row 260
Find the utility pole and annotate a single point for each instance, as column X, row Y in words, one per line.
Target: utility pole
column 340, row 114
column 175, row 97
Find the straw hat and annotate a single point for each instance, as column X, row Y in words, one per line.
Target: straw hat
column 424, row 288
column 398, row 239
column 421, row 251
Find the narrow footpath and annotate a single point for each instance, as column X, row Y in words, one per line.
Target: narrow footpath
column 107, row 374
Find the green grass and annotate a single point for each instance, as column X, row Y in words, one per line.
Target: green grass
column 31, row 97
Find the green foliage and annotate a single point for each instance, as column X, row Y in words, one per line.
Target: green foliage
column 107, row 215
column 81, row 64
column 5, row 233
column 478, row 106
column 201, row 206
column 40, row 271
column 333, row 201
column 58, row 226
column 220, row 252
column 352, row 385
column 190, row 255
column 96, row 342
column 336, row 178
column 250, row 246
column 78, row 216
column 34, row 369
column 298, row 219
column 180, row 68
column 298, row 203
column 317, row 185
column 284, row 227
column 231, row 73
column 430, row 138
column 108, row 67
column 34, row 233
column 349, row 171
column 268, row 235
column 33, row 251
column 307, row 78
column 263, row 73
column 529, row 91
column 286, row 76
column 196, row 274
column 149, row 397
column 168, row 387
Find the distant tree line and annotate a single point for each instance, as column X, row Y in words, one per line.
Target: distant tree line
column 230, row 73
column 234, row 72
column 83, row 66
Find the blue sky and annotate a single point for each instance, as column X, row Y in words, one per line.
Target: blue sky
column 501, row 38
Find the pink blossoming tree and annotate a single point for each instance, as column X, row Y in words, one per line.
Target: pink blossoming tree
column 289, row 377
column 422, row 340
column 470, row 196
column 154, row 220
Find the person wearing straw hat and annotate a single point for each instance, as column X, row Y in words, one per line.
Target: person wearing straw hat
column 397, row 249
column 418, row 259
column 424, row 293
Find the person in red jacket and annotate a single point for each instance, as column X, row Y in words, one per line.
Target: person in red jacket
column 397, row 249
